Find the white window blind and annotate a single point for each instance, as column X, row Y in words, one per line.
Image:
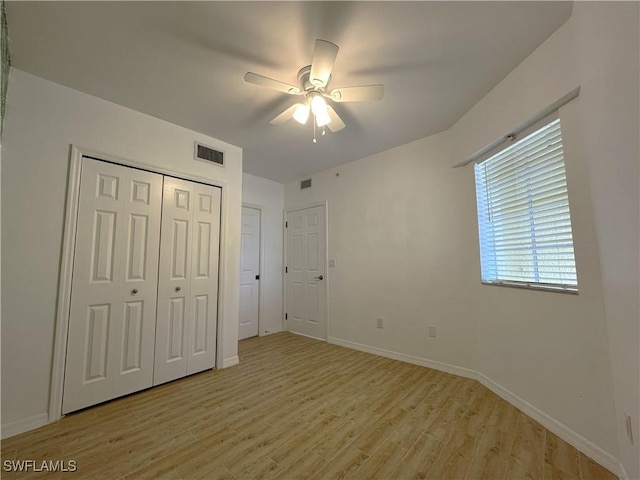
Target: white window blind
column 523, row 214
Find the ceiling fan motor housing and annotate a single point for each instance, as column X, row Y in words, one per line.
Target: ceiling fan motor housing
column 304, row 76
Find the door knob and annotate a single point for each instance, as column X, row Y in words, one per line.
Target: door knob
column 178, row 289
column 134, row 291
column 318, row 278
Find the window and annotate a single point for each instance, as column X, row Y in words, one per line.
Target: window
column 523, row 214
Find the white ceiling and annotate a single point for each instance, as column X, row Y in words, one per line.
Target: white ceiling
column 184, row 62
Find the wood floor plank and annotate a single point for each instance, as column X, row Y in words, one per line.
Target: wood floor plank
column 527, row 454
column 561, row 460
column 419, row 459
column 300, row 408
column 381, row 464
column 339, row 467
column 591, row 470
column 455, row 458
column 492, row 456
column 301, row 468
column 375, row 435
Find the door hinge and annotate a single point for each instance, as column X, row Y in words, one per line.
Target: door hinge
column 257, row 277
column 286, row 316
column 286, row 269
column 286, row 224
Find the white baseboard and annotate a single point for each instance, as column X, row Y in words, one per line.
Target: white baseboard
column 622, row 474
column 308, row 336
column 21, row 426
column 230, row 362
column 403, row 357
column 560, row 429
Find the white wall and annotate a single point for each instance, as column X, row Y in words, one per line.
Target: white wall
column 608, row 65
column 597, row 49
column 269, row 197
column 394, row 223
column 403, row 230
column 43, row 120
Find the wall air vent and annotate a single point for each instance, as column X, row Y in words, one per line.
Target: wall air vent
column 208, row 154
column 305, row 184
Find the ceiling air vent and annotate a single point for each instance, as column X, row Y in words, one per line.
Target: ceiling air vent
column 208, row 154
column 305, row 184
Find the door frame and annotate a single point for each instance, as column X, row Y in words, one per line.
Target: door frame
column 260, row 260
column 68, row 247
column 285, row 293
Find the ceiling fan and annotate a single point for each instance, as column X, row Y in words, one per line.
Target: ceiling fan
column 314, row 80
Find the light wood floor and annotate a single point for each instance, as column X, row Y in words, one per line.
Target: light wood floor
column 300, row 408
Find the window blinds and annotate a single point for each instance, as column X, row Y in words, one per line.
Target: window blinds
column 523, row 213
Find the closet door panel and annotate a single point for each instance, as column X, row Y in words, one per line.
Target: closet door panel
column 204, row 279
column 173, row 283
column 110, row 338
column 140, row 238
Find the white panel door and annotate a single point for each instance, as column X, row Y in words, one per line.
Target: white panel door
column 188, row 280
column 110, row 346
column 306, row 260
column 203, row 291
column 249, row 273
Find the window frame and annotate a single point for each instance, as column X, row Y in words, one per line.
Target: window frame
column 507, row 142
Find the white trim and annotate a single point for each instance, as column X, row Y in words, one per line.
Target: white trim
column 106, row 157
column 64, row 286
column 602, row 457
column 403, row 357
column 285, row 252
column 309, row 336
column 230, row 362
column 24, row 425
column 622, row 473
column 66, row 264
column 558, row 428
column 260, row 208
column 304, row 206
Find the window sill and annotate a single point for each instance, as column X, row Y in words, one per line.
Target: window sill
column 534, row 286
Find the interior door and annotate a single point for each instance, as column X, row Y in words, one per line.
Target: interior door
column 188, row 280
column 110, row 346
column 249, row 273
column 203, row 289
column 306, row 260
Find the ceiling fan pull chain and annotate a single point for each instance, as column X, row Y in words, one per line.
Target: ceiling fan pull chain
column 314, row 131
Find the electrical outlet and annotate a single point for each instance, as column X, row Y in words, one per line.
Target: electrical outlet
column 627, row 418
column 379, row 323
column 432, row 331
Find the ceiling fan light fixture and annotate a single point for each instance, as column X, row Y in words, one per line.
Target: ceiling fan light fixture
column 322, row 117
column 301, row 113
column 313, row 87
column 318, row 105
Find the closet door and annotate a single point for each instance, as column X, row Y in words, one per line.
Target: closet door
column 110, row 346
column 188, row 280
column 201, row 347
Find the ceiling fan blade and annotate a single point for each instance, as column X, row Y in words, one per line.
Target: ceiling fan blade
column 324, row 55
column 336, row 123
column 357, row 94
column 284, row 116
column 263, row 81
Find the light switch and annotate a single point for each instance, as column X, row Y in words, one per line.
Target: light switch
column 332, row 262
